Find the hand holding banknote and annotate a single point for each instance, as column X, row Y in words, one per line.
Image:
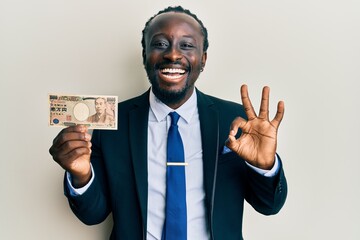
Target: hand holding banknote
column 71, row 149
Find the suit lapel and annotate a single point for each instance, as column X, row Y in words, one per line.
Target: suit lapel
column 138, row 127
column 209, row 125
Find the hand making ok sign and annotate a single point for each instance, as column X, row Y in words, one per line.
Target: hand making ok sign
column 257, row 143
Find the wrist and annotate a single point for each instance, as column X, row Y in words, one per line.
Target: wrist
column 265, row 164
column 79, row 181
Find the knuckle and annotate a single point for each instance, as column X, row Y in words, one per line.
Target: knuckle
column 78, row 151
column 62, row 138
column 68, row 145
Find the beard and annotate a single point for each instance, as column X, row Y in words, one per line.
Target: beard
column 166, row 96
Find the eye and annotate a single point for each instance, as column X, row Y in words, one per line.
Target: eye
column 160, row 44
column 187, row 45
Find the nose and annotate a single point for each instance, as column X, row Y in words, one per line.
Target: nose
column 173, row 54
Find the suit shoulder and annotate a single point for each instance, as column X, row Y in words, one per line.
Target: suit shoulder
column 224, row 102
column 138, row 101
column 223, row 105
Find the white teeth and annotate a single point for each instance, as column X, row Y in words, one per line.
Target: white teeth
column 173, row 70
column 173, row 76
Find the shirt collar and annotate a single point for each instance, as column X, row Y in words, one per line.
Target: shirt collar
column 161, row 110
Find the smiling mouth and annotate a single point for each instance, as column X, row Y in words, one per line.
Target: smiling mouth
column 172, row 73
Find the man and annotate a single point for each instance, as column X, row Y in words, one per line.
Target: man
column 125, row 171
column 101, row 115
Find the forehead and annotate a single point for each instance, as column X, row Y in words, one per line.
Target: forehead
column 172, row 23
column 99, row 100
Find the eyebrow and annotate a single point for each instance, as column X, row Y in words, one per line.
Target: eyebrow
column 162, row 34
column 188, row 36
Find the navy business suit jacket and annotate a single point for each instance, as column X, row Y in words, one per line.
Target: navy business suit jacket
column 119, row 159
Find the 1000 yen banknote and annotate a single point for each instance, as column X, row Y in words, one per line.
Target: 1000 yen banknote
column 94, row 111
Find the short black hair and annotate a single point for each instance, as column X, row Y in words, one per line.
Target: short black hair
column 178, row 9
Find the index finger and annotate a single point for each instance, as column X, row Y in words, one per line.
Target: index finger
column 76, row 128
column 82, row 129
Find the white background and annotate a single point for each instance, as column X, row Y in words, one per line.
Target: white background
column 306, row 51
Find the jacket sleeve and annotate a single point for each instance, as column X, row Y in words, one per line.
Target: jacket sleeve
column 266, row 195
column 92, row 207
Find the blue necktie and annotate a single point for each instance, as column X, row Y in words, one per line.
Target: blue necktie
column 175, row 218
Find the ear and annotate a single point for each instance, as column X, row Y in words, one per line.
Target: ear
column 203, row 60
column 144, row 56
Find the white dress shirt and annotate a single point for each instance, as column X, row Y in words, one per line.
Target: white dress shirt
column 189, row 128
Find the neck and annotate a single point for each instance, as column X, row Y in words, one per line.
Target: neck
column 176, row 105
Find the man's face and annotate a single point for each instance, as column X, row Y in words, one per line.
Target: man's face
column 174, row 56
column 100, row 106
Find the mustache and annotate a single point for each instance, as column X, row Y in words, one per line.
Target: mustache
column 167, row 62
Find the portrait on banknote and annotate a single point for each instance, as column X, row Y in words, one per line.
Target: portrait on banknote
column 96, row 112
column 103, row 113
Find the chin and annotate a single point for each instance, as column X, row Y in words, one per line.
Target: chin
column 169, row 96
